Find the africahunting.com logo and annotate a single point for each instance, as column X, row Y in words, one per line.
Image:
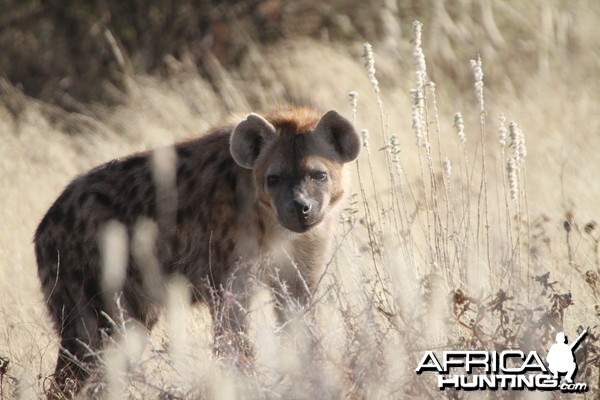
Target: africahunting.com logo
column 507, row 370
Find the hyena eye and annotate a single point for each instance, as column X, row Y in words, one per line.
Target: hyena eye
column 318, row 176
column 273, row 180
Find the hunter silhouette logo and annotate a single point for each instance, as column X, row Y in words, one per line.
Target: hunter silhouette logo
column 510, row 369
column 561, row 356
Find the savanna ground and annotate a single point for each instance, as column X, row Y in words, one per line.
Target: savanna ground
column 460, row 231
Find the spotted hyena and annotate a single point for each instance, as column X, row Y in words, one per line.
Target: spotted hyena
column 258, row 193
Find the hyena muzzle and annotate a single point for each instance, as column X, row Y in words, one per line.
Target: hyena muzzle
column 261, row 193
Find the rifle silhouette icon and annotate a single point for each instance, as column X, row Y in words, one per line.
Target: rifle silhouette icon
column 576, row 342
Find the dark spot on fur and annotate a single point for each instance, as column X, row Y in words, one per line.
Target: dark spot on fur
column 55, row 214
column 69, row 219
column 133, row 192
column 148, row 192
column 102, row 173
column 186, row 185
column 183, row 173
column 76, row 273
column 224, row 165
column 81, row 199
column 205, row 163
column 231, row 180
column 151, row 205
column 183, row 214
column 201, row 218
column 78, row 252
column 81, row 226
column 51, row 252
column 212, row 189
column 136, row 209
column 183, row 151
column 133, row 162
column 92, row 288
column 41, row 228
column 102, row 198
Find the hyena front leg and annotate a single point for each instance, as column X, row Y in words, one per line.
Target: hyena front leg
column 80, row 341
column 295, row 281
column 292, row 290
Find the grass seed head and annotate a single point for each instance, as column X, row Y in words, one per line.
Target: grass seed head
column 478, row 73
column 460, row 126
column 370, row 63
column 417, row 117
column 513, row 177
column 364, row 133
column 447, row 168
column 517, row 139
column 502, row 131
column 419, row 56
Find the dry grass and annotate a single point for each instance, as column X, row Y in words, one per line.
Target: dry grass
column 439, row 247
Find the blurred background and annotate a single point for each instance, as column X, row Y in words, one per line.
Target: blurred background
column 68, row 52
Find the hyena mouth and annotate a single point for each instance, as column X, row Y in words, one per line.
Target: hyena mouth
column 302, row 225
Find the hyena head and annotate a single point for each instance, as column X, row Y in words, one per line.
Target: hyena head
column 297, row 160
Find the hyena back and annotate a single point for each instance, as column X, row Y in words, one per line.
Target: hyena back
column 259, row 193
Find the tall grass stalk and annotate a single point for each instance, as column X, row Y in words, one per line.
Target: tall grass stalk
column 483, row 188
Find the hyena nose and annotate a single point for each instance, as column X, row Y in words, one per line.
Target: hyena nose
column 298, row 206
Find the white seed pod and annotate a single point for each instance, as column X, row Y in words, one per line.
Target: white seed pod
column 370, row 63
column 478, row 74
column 502, row 131
column 460, row 126
column 512, row 173
column 447, row 168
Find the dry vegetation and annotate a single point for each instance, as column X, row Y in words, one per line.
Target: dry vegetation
column 469, row 224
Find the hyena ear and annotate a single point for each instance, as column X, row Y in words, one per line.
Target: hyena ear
column 248, row 139
column 340, row 133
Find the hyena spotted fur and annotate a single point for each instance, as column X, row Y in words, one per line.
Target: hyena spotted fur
column 258, row 193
